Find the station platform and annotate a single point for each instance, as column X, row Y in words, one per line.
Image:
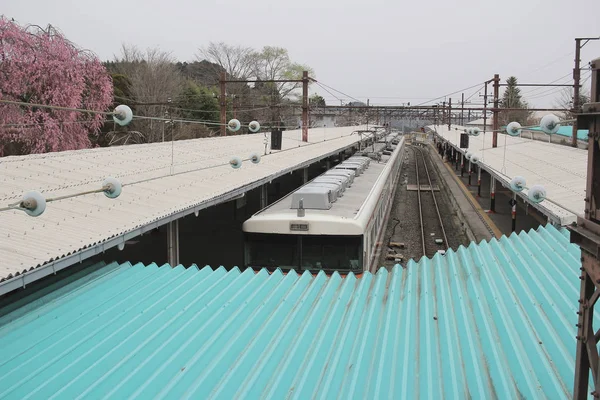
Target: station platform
column 162, row 183
column 561, row 170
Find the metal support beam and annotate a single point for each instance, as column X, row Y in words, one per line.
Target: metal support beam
column 304, row 174
column 462, row 164
column 173, row 243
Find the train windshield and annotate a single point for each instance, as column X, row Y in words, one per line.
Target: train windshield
column 304, row 252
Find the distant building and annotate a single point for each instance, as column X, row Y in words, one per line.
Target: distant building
column 319, row 118
column 478, row 123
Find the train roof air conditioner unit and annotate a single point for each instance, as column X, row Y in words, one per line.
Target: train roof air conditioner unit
column 316, row 198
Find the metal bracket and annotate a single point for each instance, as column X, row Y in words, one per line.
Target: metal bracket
column 589, row 112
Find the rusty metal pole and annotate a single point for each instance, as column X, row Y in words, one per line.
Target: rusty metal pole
column 485, row 108
column 305, row 106
column 233, row 106
column 462, row 109
column 223, row 103
column 576, row 82
column 443, row 113
column 449, row 113
column 586, row 234
column 496, row 112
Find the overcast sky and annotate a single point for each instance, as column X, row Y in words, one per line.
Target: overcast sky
column 391, row 52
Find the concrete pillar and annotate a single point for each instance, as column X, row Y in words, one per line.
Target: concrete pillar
column 492, row 194
column 304, row 174
column 462, row 164
column 264, row 199
column 173, row 243
column 328, row 164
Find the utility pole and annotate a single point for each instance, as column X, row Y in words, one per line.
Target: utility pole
column 586, row 234
column 462, row 111
column 576, row 79
column 223, row 103
column 305, row 106
column 449, row 113
column 443, row 113
column 576, row 84
column 485, row 109
column 233, row 106
column 496, row 113
column 368, row 114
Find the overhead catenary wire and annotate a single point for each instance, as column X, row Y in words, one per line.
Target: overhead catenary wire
column 335, row 90
column 111, row 113
column 449, row 94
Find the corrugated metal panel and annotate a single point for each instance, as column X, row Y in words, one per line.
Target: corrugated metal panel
column 494, row 320
column 560, row 169
column 73, row 224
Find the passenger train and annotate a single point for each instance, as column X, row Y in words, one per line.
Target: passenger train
column 336, row 222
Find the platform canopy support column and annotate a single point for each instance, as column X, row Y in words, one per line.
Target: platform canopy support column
column 513, row 212
column 264, row 199
column 478, row 181
column 492, row 194
column 173, row 243
column 470, row 172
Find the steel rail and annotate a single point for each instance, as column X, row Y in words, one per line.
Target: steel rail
column 437, row 208
column 419, row 201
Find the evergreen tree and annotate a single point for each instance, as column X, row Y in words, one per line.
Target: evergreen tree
column 512, row 98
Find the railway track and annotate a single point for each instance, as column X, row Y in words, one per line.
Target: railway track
column 430, row 218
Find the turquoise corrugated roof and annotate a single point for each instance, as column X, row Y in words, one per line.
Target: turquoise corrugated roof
column 493, row 320
column 567, row 131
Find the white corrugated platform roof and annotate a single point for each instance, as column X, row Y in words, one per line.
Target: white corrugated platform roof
column 560, row 169
column 200, row 176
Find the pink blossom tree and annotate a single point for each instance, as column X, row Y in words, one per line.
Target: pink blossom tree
column 41, row 66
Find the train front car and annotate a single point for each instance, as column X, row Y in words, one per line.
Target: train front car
column 334, row 222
